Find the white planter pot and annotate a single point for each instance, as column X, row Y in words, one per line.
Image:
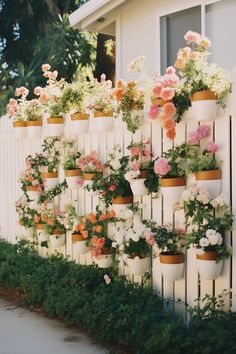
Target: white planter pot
column 204, row 105
column 172, row 267
column 120, row 204
column 101, row 122
column 171, row 195
column 210, row 180
column 55, row 126
column 104, row 261
column 41, row 236
column 79, row 126
column 80, row 247
column 34, row 131
column 33, row 196
column 208, row 268
column 138, row 266
column 27, row 232
column 138, row 188
column 50, row 183
column 57, row 240
column 72, row 182
column 91, row 193
column 20, row 132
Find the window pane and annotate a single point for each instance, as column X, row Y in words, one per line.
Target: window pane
column 221, row 29
column 173, row 29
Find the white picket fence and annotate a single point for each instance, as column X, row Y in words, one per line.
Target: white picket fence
column 12, row 161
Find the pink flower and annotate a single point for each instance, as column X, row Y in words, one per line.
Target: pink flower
column 13, row 103
column 167, row 94
column 170, row 70
column 193, row 137
column 53, row 75
column 112, row 187
column 161, row 166
column 46, row 67
column 43, row 98
column 169, row 109
column 147, row 152
column 212, row 147
column 21, row 91
column 38, row 90
column 150, row 238
column 204, row 131
column 47, row 74
column 135, row 151
column 192, row 37
column 169, row 80
column 154, row 111
column 80, row 182
column 157, row 90
column 107, row 279
column 135, row 165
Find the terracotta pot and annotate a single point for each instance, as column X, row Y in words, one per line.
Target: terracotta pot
column 79, row 116
column 123, row 200
column 32, row 188
column 49, row 174
column 40, row 226
column 58, row 232
column 101, row 122
column 172, row 266
column 34, row 128
column 72, row 173
column 204, row 104
column 158, row 101
column 208, row 267
column 172, row 189
column 19, row 129
column 91, row 176
column 79, row 123
column 56, row 120
column 211, row 180
column 77, row 237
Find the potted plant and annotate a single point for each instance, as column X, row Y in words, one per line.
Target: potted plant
column 50, row 96
column 73, row 99
column 208, row 221
column 16, row 111
column 171, row 168
column 100, row 102
column 163, row 108
column 91, row 168
column 140, row 174
column 204, row 164
column 130, row 243
column 26, row 217
column 113, row 187
column 34, row 118
column 170, row 242
column 206, row 84
column 71, row 170
column 96, row 227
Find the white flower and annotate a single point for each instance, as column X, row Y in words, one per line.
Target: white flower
column 128, row 213
column 203, row 196
column 204, row 242
column 114, row 244
column 219, row 201
column 214, row 237
column 115, row 164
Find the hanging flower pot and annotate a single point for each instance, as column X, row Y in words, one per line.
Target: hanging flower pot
column 138, row 265
column 211, row 180
column 80, row 243
column 172, row 266
column 208, row 267
column 72, row 177
column 105, row 259
column 19, row 129
column 119, row 204
column 34, row 128
column 172, row 189
column 101, row 122
column 88, row 181
column 33, row 193
column 79, row 123
column 57, row 238
column 27, row 232
column 137, row 185
column 50, row 179
column 55, row 126
column 204, row 105
column 41, row 235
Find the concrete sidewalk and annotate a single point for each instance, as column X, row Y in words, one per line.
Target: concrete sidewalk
column 25, row 332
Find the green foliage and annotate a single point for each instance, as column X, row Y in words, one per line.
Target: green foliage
column 177, row 159
column 182, row 104
column 140, row 248
column 53, row 192
column 70, row 161
column 152, row 182
column 120, row 313
column 203, row 161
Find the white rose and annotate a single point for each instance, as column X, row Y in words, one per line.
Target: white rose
column 204, row 242
column 115, row 164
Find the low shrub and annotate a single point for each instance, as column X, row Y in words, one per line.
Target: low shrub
column 119, row 312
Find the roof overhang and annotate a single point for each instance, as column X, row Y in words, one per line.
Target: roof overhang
column 96, row 15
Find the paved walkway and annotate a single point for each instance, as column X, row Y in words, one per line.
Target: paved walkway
column 25, row 332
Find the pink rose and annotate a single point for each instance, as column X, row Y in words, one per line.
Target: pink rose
column 193, row 137
column 169, row 109
column 150, row 238
column 46, row 67
column 38, row 90
column 169, row 80
column 204, row 131
column 135, row 165
column 154, row 111
column 167, row 94
column 192, row 37
column 47, row 74
column 157, row 90
column 161, row 166
column 107, row 279
column 147, row 152
column 135, row 151
column 112, row 187
column 21, row 91
column 170, row 70
column 212, row 147
column 13, row 103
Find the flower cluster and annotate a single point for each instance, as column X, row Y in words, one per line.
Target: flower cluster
column 16, row 107
column 101, row 95
column 25, row 211
column 51, row 218
column 196, row 73
column 162, row 107
column 31, row 175
column 90, row 163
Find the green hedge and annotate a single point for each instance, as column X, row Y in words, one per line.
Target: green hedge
column 120, row 313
